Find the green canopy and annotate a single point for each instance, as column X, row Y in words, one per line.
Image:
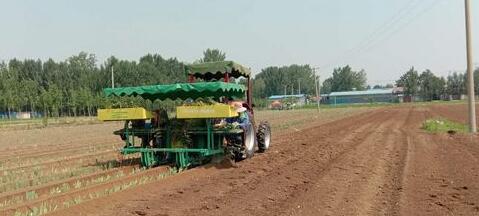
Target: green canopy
column 216, row 70
column 181, row 91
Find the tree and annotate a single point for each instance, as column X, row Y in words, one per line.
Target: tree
column 456, row 85
column 387, row 86
column 476, row 81
column 212, row 55
column 258, row 88
column 327, row 86
column 430, row 86
column 29, row 91
column 345, row 79
column 410, row 82
column 287, row 80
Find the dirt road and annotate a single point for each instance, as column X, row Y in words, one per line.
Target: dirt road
column 375, row 163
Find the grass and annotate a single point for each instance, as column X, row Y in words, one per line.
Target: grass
column 440, row 125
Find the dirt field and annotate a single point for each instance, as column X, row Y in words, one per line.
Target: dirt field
column 48, row 169
column 360, row 161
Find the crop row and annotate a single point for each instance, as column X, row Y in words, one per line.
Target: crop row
column 38, row 159
column 75, row 196
column 16, row 179
column 58, row 187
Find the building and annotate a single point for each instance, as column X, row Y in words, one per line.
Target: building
column 392, row 95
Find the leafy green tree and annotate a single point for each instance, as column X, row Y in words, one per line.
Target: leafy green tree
column 345, row 79
column 387, row 86
column 410, row 82
column 55, row 95
column 258, row 88
column 212, row 55
column 29, row 91
column 46, row 102
column 455, row 85
column 327, row 86
column 430, row 86
column 476, row 81
column 287, row 80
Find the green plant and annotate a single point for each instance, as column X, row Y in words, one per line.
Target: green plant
column 439, row 125
column 31, row 195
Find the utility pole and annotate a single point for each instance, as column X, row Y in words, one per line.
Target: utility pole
column 316, row 84
column 112, row 78
column 319, row 90
column 470, row 75
column 299, row 86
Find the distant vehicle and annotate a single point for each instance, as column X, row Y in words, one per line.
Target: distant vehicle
column 278, row 105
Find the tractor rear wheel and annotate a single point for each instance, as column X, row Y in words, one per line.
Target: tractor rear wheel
column 242, row 146
column 264, row 136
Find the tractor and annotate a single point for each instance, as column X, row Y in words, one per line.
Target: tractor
column 196, row 131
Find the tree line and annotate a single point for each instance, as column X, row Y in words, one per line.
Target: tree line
column 73, row 87
column 428, row 86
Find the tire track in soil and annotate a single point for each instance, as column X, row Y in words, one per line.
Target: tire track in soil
column 281, row 185
column 362, row 181
column 266, row 194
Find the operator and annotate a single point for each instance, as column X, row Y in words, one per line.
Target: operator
column 242, row 120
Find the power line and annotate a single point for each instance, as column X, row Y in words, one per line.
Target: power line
column 423, row 12
column 394, row 19
column 386, row 30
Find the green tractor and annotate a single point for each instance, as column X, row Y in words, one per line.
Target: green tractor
column 207, row 123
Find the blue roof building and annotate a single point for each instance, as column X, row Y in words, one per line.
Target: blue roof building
column 366, row 96
column 280, row 97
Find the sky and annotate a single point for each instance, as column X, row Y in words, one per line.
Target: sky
column 383, row 37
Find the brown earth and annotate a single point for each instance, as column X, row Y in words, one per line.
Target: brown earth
column 374, row 163
column 47, row 169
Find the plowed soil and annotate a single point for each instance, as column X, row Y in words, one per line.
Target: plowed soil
column 374, row 163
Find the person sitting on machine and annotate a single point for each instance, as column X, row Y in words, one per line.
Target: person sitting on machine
column 241, row 121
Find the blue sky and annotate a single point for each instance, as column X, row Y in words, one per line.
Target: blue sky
column 385, row 38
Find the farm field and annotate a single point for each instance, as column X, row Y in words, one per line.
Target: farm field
column 54, row 168
column 368, row 162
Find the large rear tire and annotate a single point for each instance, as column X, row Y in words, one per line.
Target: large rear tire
column 242, row 146
column 264, row 136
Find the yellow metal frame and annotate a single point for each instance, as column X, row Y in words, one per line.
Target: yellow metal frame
column 122, row 114
column 205, row 111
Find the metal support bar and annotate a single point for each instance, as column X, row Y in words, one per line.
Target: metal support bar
column 130, row 150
